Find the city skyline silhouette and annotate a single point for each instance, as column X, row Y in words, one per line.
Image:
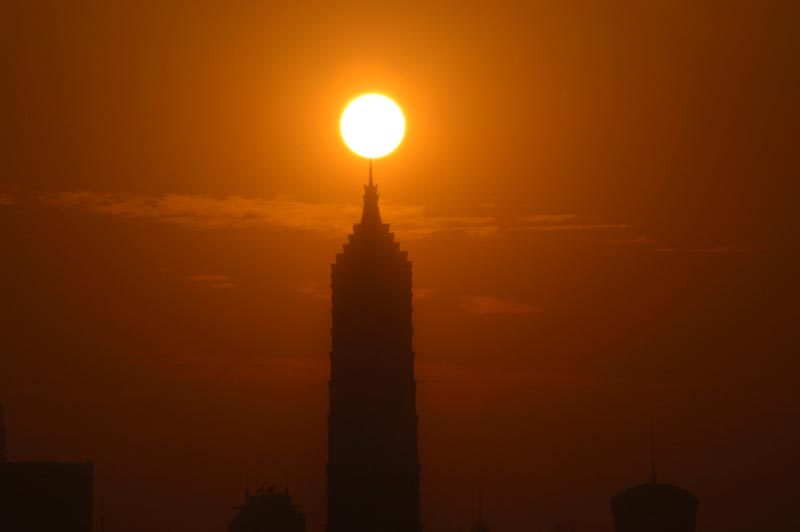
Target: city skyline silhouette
column 598, row 200
column 373, row 470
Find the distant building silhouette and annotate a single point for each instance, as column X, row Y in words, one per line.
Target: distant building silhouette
column 373, row 466
column 268, row 511
column 481, row 525
column 44, row 496
column 654, row 507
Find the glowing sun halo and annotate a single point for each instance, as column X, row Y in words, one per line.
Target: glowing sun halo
column 372, row 125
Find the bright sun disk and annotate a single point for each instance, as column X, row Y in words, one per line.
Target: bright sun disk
column 372, row 125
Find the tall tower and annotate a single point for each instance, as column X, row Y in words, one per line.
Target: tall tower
column 373, row 466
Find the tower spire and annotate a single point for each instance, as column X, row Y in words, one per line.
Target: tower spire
column 3, row 448
column 371, row 214
column 480, row 506
column 653, row 454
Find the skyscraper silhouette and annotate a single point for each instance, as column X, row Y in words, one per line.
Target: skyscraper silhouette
column 373, row 466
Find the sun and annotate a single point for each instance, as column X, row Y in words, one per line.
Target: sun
column 372, row 125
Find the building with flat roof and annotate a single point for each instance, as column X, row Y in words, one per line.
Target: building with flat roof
column 46, row 497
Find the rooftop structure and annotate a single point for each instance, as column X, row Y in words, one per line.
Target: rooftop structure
column 268, row 511
column 654, row 507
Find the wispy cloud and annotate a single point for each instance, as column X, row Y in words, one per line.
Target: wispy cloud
column 409, row 225
column 205, row 212
column 485, row 305
column 315, row 291
column 210, row 212
column 635, row 240
column 576, row 227
column 563, row 222
column 422, row 293
column 730, row 249
column 332, row 220
column 213, row 280
column 547, row 219
column 726, row 249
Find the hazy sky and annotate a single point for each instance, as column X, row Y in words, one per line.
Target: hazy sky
column 599, row 199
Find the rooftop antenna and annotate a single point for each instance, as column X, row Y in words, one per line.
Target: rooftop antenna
column 102, row 515
column 370, row 173
column 480, row 506
column 653, row 454
column 371, row 214
column 3, row 443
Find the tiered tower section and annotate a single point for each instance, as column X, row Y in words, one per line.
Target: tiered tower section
column 373, row 465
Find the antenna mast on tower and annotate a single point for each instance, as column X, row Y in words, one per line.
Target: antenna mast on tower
column 3, row 443
column 480, row 506
column 653, row 455
column 370, row 172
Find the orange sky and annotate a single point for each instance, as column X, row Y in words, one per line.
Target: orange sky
column 598, row 199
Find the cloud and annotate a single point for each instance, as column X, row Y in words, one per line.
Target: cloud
column 413, row 222
column 730, row 249
column 210, row 212
column 315, row 291
column 541, row 219
column 213, row 280
column 562, row 222
column 422, row 293
column 485, row 305
column 726, row 249
column 576, row 227
column 636, row 240
column 206, row 212
column 199, row 211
